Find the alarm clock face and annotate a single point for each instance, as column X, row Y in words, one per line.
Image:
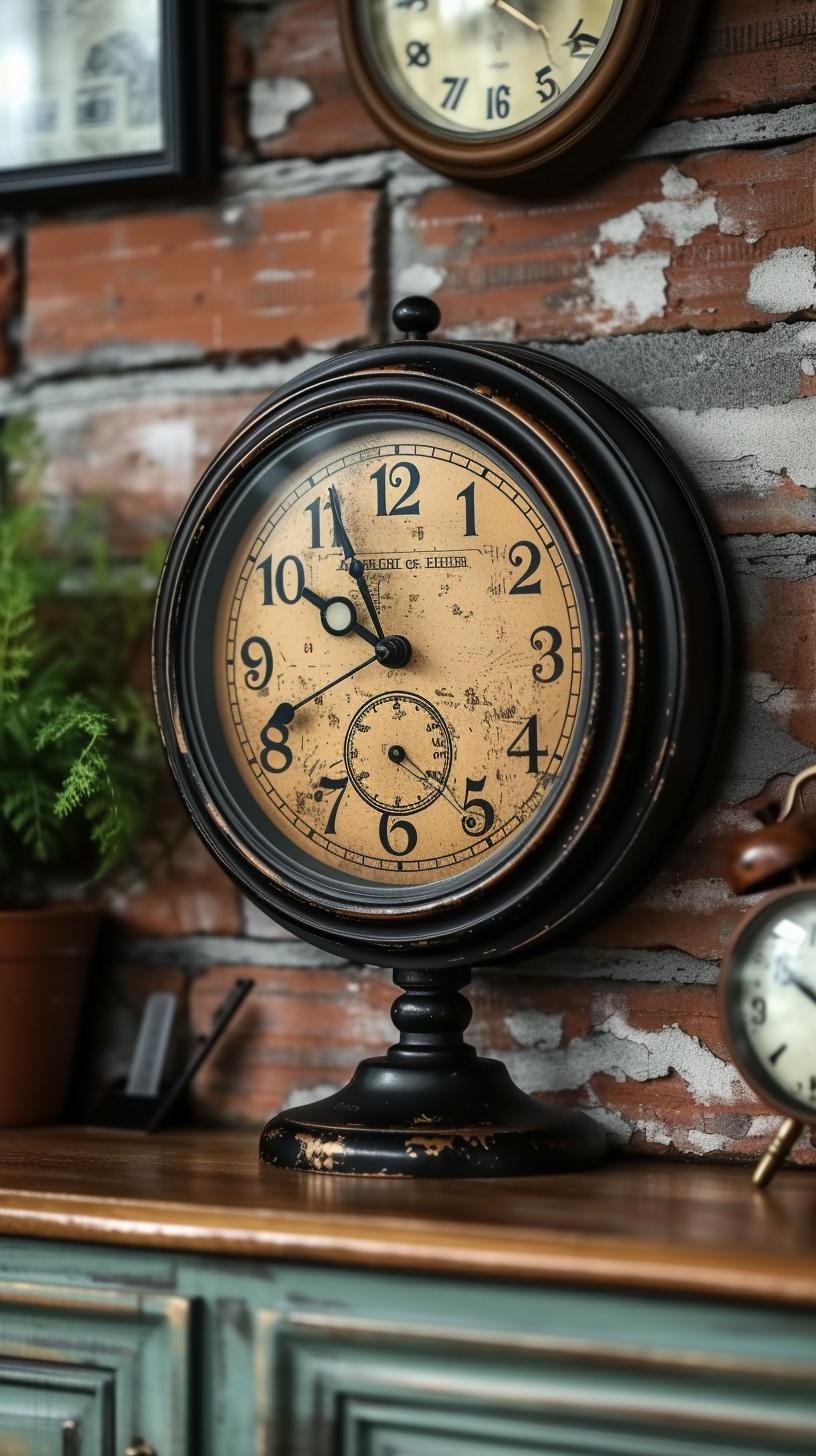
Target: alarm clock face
column 484, row 68
column 391, row 653
column 768, row 998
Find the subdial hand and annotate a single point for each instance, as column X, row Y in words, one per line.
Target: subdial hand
column 389, row 652
column 356, row 569
column 339, row 616
column 398, row 755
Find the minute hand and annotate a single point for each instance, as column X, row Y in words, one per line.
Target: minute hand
column 356, row 568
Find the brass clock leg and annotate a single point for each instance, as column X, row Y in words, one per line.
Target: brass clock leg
column 778, row 1150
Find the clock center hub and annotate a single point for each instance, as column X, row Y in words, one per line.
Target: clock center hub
column 398, row 753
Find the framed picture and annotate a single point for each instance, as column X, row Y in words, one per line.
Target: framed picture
column 104, row 91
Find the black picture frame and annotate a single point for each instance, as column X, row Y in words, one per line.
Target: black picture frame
column 188, row 89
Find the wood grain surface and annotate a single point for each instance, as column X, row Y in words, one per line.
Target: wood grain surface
column 673, row 1227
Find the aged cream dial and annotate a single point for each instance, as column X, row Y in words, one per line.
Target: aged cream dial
column 486, row 67
column 774, row 1004
column 399, row 656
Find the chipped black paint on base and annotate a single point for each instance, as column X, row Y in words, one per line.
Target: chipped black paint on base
column 430, row 1108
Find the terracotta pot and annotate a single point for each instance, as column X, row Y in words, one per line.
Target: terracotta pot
column 44, row 957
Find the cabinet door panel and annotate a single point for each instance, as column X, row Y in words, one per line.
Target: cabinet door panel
column 113, row 1361
column 48, row 1410
column 394, row 1395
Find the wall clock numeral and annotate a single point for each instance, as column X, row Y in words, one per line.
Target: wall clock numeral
column 418, row 53
column 456, row 88
column 283, row 580
column 524, row 587
column 484, row 818
column 548, row 87
column 400, row 826
column 405, row 477
column 550, row 654
column 334, row 786
column 526, row 745
column 498, row 102
column 580, row 43
column 256, row 679
column 275, row 746
column 314, row 511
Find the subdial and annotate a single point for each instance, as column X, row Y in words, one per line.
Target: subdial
column 398, row 753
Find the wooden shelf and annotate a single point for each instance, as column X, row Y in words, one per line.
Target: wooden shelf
column 642, row 1225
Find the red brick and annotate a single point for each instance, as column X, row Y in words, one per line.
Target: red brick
column 750, row 54
column 189, row 895
column 8, row 300
column 245, row 277
column 141, row 459
column 628, row 253
column 303, row 42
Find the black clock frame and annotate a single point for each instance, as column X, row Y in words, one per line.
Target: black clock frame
column 661, row 633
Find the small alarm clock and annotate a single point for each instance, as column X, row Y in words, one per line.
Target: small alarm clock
column 441, row 665
column 487, row 90
column 767, row 989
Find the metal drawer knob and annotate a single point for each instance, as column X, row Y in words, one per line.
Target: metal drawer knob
column 138, row 1447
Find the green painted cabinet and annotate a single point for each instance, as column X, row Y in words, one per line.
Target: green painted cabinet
column 197, row 1355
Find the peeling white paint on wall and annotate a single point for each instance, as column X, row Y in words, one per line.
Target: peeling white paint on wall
column 273, row 102
column 785, row 282
column 419, row 278
column 619, row 1050
column 778, row 439
column 626, row 291
column 684, row 212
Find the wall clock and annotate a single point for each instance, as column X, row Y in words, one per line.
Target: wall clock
column 441, row 662
column 485, row 90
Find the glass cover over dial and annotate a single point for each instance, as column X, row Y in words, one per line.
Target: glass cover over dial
column 484, row 68
column 397, row 651
column 771, row 1000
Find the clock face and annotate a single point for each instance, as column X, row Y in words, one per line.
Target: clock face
column 771, row 1000
column 485, row 68
column 395, row 633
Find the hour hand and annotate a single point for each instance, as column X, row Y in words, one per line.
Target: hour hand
column 339, row 616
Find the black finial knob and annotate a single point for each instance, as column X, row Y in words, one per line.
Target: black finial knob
column 417, row 317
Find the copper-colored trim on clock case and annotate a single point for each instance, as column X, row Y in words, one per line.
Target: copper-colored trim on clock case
column 641, row 60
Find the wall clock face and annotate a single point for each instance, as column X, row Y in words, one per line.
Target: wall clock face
column 430, row 669
column 487, row 90
column 406, row 774
column 486, row 68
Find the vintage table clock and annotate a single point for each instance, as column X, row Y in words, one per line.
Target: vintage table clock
column 441, row 662
column 768, row 980
column 487, row 90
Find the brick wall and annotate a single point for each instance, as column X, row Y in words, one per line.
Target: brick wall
column 685, row 275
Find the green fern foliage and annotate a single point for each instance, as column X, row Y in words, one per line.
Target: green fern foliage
column 78, row 743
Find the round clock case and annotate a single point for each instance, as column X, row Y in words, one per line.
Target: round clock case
column 488, row 90
column 441, row 666
column 767, row 990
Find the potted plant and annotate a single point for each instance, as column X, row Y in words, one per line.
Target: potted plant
column 78, row 754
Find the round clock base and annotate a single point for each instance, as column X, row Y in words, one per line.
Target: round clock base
column 431, row 1108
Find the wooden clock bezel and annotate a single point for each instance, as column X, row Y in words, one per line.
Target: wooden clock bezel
column 622, row 91
column 744, row 1060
